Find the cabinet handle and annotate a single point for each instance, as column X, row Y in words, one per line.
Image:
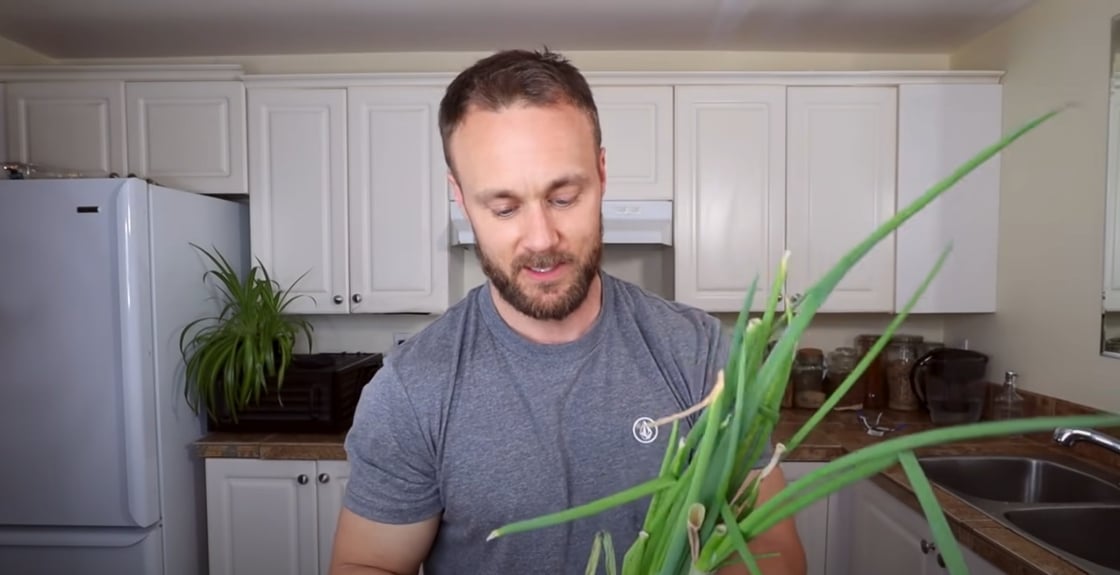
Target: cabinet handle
column 337, row 299
column 302, row 479
column 927, row 546
column 323, row 478
column 357, row 297
column 940, row 561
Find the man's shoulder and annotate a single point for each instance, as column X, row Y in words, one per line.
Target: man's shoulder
column 435, row 345
column 673, row 319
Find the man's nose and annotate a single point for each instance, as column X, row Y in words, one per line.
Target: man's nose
column 540, row 233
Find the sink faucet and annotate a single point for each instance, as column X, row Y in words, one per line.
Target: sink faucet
column 1067, row 436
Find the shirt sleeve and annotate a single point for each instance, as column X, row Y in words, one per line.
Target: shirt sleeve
column 392, row 466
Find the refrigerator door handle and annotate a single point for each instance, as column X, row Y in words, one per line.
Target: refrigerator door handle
column 138, row 404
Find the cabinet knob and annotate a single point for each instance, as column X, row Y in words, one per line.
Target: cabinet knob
column 927, row 546
column 302, row 479
column 357, row 297
column 323, row 478
column 337, row 299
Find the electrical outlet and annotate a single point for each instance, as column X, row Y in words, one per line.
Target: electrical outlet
column 399, row 337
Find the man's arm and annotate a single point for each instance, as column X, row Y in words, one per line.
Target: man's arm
column 781, row 538
column 391, row 509
column 364, row 547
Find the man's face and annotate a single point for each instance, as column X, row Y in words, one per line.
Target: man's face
column 530, row 179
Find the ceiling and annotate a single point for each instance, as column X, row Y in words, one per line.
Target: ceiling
column 66, row 29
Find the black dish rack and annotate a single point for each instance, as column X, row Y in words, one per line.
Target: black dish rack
column 319, row 395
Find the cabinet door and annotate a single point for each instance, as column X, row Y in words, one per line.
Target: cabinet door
column 261, row 517
column 729, row 220
column 637, row 126
column 297, row 207
column 887, row 537
column 331, row 480
column 841, row 187
column 939, row 128
column 188, row 135
column 399, row 218
column 68, row 126
column 813, row 522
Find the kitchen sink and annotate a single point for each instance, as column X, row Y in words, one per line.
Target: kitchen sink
column 1057, row 502
column 1019, row 480
column 1086, row 532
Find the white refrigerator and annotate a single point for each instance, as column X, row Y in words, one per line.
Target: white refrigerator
column 97, row 278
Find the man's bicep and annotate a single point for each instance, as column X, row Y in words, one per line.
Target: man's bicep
column 363, row 546
column 392, row 466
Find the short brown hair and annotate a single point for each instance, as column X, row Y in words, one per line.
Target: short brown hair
column 508, row 77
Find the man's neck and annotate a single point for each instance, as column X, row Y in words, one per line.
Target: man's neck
column 566, row 330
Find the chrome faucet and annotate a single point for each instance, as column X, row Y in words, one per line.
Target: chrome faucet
column 1067, row 436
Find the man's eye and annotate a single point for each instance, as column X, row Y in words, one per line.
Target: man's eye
column 503, row 212
column 562, row 201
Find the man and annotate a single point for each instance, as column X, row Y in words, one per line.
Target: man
column 534, row 393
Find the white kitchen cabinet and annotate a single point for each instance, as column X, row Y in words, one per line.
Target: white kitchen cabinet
column 887, row 536
column 272, row 516
column 637, row 126
column 346, row 192
column 730, row 208
column 941, row 126
column 298, row 194
column 1110, row 293
column 820, row 526
column 841, row 186
column 69, row 126
column 398, row 214
column 188, row 135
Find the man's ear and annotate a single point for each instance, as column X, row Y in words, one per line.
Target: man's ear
column 603, row 170
column 451, row 181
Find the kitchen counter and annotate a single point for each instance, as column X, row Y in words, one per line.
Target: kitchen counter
column 839, row 433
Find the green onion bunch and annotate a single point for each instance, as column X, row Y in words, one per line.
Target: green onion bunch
column 704, row 508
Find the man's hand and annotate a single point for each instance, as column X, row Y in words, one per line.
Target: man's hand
column 781, row 538
column 364, row 547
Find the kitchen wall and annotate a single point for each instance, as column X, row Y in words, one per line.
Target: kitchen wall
column 1051, row 214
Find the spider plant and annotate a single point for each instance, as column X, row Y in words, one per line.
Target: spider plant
column 230, row 361
column 703, row 509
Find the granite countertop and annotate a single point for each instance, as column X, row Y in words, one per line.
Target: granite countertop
column 839, row 433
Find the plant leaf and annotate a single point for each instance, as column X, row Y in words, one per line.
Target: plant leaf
column 942, row 533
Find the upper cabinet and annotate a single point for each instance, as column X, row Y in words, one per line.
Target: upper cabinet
column 349, row 200
column 813, row 170
column 180, row 130
column 637, row 127
column 348, row 193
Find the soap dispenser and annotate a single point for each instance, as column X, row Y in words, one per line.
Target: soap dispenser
column 1008, row 404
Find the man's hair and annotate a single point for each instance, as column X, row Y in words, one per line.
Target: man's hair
column 511, row 77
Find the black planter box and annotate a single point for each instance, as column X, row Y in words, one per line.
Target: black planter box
column 319, row 395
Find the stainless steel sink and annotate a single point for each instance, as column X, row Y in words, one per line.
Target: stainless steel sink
column 1020, row 480
column 1069, row 508
column 1086, row 532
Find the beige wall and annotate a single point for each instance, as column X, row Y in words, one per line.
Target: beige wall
column 1048, row 324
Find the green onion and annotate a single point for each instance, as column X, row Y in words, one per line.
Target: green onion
column 704, row 510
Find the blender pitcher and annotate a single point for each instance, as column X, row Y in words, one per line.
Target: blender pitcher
column 950, row 383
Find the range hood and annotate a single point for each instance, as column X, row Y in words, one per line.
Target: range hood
column 624, row 222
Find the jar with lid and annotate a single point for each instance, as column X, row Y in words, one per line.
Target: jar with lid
column 807, row 378
column 841, row 363
column 902, row 352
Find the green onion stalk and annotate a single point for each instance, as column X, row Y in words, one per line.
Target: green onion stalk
column 703, row 509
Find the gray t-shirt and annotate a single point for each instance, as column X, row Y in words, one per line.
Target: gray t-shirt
column 471, row 420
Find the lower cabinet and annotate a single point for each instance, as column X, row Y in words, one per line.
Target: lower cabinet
column 863, row 530
column 279, row 517
column 272, row 516
column 887, row 536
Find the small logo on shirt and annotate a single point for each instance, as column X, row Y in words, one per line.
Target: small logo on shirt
column 644, row 430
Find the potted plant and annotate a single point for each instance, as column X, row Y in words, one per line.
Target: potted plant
column 248, row 345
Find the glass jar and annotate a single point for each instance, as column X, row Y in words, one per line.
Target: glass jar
column 807, row 378
column 875, row 390
column 842, row 362
column 901, row 354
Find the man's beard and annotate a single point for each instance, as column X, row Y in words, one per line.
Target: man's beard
column 554, row 309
